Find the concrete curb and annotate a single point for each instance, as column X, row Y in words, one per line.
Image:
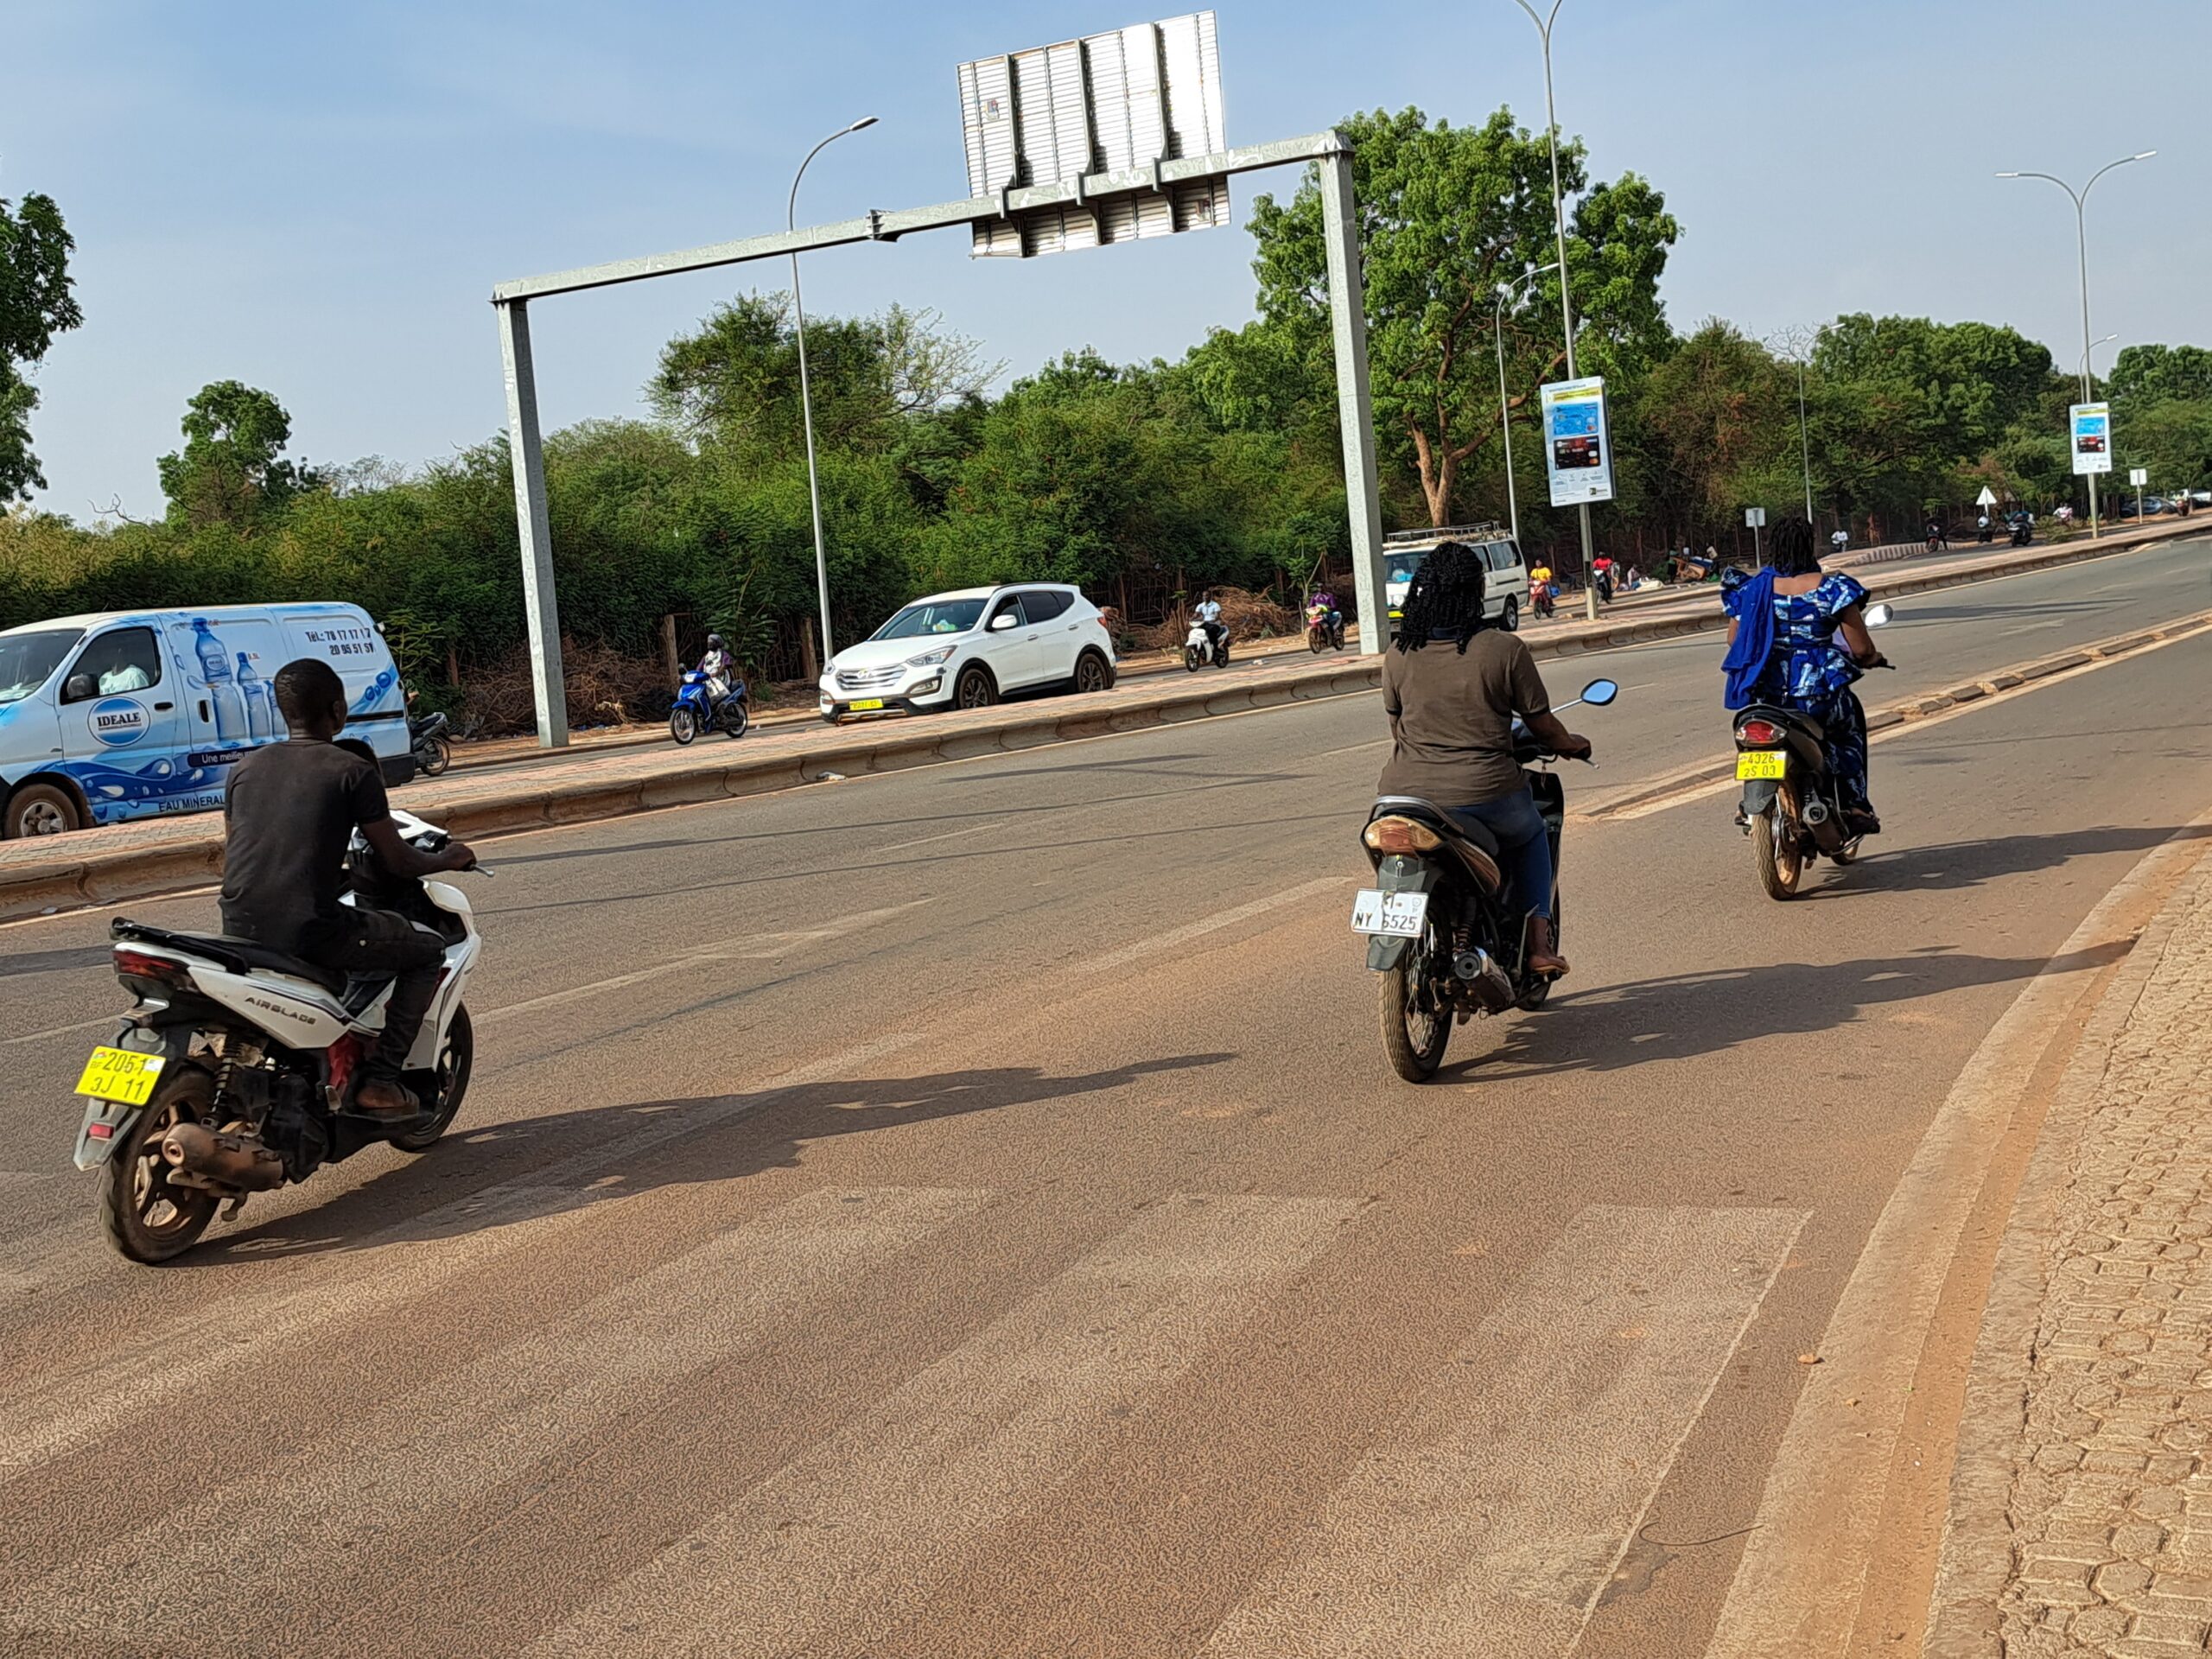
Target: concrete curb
column 2004, row 679
column 92, row 876
column 1976, row 1560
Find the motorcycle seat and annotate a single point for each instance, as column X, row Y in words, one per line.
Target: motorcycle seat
column 1471, row 841
column 234, row 955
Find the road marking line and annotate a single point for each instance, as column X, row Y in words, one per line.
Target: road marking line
column 108, row 1019
column 62, row 1411
column 1205, row 925
column 1798, row 1586
column 849, row 1537
column 1493, row 1517
column 757, row 947
column 295, row 1532
column 949, row 835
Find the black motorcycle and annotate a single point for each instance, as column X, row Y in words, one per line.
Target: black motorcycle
column 433, row 748
column 1790, row 808
column 1437, row 927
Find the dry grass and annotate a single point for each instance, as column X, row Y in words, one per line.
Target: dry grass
column 606, row 688
column 1248, row 616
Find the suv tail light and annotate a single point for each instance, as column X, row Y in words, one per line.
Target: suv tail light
column 162, row 970
column 1400, row 836
column 1758, row 733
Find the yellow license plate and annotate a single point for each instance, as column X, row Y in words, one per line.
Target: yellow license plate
column 1763, row 763
column 118, row 1075
column 862, row 705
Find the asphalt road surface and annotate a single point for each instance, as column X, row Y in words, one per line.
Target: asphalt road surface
column 967, row 1211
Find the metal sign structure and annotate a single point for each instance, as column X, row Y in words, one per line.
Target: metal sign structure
column 2092, row 427
column 1330, row 153
column 1578, row 449
column 1112, row 103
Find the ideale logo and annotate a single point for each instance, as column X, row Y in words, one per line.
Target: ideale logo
column 119, row 721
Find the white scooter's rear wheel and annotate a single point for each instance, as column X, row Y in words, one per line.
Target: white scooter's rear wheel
column 143, row 1216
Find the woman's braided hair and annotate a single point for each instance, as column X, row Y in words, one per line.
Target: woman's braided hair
column 1444, row 598
column 1794, row 554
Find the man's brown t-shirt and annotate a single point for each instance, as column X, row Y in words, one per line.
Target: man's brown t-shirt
column 1451, row 717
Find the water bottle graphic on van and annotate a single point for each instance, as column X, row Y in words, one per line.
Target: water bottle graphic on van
column 253, row 691
column 223, row 699
column 368, row 701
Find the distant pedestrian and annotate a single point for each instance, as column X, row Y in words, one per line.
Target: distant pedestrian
column 1840, row 540
column 1982, row 528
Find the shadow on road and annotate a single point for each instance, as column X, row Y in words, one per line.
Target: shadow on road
column 1683, row 1016
column 652, row 1144
column 1971, row 864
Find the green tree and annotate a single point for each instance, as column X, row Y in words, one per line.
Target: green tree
column 735, row 380
column 1708, row 429
column 230, row 470
column 1447, row 215
column 2145, row 375
column 35, row 304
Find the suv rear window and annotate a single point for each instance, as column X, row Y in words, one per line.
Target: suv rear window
column 1042, row 603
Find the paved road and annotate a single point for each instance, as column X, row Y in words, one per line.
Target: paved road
column 2050, row 610
column 966, row 1211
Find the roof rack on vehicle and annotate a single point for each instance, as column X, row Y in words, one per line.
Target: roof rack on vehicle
column 1443, row 533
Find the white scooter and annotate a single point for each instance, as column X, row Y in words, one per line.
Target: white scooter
column 1201, row 647
column 234, row 1073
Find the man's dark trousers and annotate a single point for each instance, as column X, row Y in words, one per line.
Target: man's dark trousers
column 376, row 942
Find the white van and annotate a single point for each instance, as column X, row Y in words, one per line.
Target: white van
column 129, row 714
column 1505, row 584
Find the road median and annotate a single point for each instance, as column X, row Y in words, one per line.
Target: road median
column 163, row 855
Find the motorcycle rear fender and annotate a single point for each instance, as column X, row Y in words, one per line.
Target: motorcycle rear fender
column 172, row 1043
column 1758, row 796
column 1400, row 872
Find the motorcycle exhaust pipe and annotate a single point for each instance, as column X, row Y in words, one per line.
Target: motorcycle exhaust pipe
column 237, row 1160
column 1485, row 979
column 1815, row 813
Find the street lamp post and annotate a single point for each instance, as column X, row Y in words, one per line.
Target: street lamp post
column 2080, row 200
column 1566, row 305
column 1510, row 291
column 1804, row 431
column 805, row 392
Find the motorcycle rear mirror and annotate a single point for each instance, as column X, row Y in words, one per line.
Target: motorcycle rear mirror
column 1878, row 616
column 1598, row 693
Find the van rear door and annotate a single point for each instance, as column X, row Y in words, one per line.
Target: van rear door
column 343, row 636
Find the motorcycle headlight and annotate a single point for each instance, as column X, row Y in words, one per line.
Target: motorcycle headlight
column 930, row 658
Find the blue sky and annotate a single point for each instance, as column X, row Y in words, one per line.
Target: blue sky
column 317, row 199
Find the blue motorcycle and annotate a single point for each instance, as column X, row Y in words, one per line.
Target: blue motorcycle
column 696, row 710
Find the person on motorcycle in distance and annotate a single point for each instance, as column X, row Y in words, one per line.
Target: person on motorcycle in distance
column 289, row 810
column 1789, row 619
column 718, row 667
column 1451, row 688
column 1208, row 613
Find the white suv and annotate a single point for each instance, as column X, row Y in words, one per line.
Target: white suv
column 966, row 649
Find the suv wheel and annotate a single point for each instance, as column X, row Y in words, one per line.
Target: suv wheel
column 1092, row 673
column 974, row 689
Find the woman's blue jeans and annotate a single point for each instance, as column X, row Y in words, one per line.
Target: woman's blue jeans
column 1519, row 828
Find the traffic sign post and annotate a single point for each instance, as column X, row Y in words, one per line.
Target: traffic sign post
column 2091, row 425
column 2139, row 476
column 1756, row 517
column 1137, row 180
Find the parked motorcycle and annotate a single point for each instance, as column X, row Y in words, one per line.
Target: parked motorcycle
column 1791, row 809
column 1437, row 927
column 696, row 711
column 235, row 1070
column 2024, row 532
column 1200, row 647
column 1324, row 629
column 433, row 748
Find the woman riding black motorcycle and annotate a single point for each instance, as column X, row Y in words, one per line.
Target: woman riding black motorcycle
column 1451, row 715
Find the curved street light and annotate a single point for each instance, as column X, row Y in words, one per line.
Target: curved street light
column 2080, row 200
column 806, row 393
column 1510, row 291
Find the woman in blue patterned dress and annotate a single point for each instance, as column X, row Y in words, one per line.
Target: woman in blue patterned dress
column 1816, row 646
